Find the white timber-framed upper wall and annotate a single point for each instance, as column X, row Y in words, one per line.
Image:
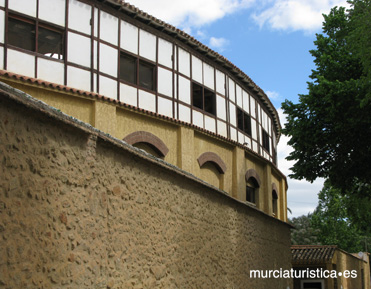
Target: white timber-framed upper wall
column 118, row 51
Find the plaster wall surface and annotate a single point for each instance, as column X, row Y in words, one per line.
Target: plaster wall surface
column 185, row 144
column 345, row 261
column 80, row 209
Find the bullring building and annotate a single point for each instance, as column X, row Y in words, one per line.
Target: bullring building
column 151, row 85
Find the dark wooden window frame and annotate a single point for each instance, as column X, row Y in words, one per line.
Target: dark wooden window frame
column 137, row 76
column 203, row 106
column 265, row 140
column 243, row 121
column 38, row 26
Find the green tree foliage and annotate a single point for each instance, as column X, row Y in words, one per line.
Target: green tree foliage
column 359, row 209
column 337, row 223
column 360, row 40
column 304, row 233
column 330, row 127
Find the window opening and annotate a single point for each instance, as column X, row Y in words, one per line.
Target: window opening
column 137, row 72
column 197, row 96
column 243, row 121
column 22, row 34
column 146, row 75
column 252, row 187
column 266, row 140
column 250, row 194
column 274, row 202
column 203, row 98
column 50, row 43
column 210, row 105
column 128, row 68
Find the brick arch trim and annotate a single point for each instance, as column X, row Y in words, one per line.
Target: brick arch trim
column 146, row 137
column 251, row 173
column 213, row 158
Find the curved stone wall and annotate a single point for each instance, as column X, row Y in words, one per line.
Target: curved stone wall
column 80, row 209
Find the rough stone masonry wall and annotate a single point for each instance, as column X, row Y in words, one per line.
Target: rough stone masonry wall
column 79, row 209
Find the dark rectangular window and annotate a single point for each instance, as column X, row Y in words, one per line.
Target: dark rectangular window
column 128, row 68
column 210, row 103
column 147, row 75
column 243, row 121
column 22, row 34
column 240, row 118
column 266, row 140
column 203, row 98
column 250, row 194
column 137, row 71
column 197, row 96
column 50, row 43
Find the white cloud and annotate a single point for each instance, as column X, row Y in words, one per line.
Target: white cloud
column 190, row 13
column 296, row 14
column 302, row 195
column 201, row 34
column 275, row 97
column 218, row 43
column 272, row 94
column 289, row 15
column 283, row 149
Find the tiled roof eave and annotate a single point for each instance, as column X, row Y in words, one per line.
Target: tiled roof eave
column 312, row 254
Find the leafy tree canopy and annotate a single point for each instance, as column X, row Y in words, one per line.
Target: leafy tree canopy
column 330, row 127
column 360, row 40
column 343, row 221
column 304, row 233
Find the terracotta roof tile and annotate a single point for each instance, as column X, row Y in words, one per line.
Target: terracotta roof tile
column 312, row 254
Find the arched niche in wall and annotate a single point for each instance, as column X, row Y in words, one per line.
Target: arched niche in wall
column 214, row 159
column 148, row 142
column 212, row 169
column 252, row 186
column 252, row 173
column 274, row 199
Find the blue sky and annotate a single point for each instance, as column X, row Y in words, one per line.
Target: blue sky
column 270, row 41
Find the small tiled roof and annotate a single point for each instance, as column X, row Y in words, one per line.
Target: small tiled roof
column 312, row 254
